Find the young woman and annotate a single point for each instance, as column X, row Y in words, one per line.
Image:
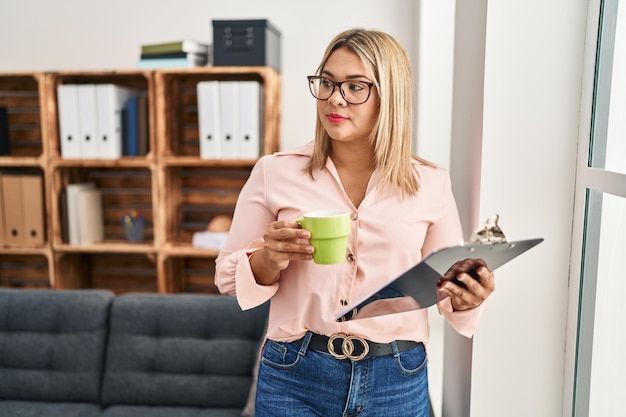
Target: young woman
column 401, row 208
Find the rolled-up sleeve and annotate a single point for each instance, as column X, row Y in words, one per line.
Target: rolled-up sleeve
column 464, row 322
column 444, row 232
column 307, row 295
column 233, row 274
column 446, row 229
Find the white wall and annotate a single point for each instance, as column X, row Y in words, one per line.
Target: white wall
column 434, row 72
column 88, row 34
column 434, row 80
column 533, row 70
column 532, row 91
column 533, row 74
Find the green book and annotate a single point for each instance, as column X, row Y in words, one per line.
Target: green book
column 186, row 45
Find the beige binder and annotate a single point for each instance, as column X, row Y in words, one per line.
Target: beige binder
column 2, row 228
column 13, row 210
column 33, row 209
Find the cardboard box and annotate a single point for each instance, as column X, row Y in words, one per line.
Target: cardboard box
column 246, row 43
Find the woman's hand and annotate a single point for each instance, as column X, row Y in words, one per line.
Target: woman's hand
column 284, row 241
column 468, row 283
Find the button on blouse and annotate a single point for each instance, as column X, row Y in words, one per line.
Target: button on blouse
column 389, row 235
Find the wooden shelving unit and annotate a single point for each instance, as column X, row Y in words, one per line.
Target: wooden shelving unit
column 176, row 190
column 24, row 96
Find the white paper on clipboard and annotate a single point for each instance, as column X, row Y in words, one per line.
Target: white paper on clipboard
column 420, row 281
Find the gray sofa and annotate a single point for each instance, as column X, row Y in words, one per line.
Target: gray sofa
column 89, row 353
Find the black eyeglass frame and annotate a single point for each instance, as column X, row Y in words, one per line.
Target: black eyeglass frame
column 338, row 84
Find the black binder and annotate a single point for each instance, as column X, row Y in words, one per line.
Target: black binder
column 5, row 143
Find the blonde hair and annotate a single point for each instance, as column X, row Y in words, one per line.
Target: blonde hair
column 391, row 137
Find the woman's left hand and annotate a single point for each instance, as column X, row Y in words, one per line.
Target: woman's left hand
column 468, row 283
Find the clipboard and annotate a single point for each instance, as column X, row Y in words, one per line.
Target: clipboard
column 420, row 281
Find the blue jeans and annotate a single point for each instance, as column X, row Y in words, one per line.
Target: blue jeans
column 297, row 381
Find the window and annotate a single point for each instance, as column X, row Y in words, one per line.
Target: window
column 597, row 329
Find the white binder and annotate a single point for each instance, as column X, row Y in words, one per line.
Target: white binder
column 90, row 217
column 110, row 102
column 69, row 121
column 209, row 123
column 229, row 98
column 73, row 219
column 249, row 119
column 88, row 120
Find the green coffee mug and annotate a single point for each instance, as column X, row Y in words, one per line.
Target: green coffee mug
column 329, row 234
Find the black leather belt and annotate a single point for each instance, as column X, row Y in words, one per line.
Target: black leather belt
column 355, row 348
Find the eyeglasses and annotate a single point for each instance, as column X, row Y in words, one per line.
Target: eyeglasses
column 353, row 91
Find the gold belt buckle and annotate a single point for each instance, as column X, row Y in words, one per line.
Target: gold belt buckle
column 347, row 347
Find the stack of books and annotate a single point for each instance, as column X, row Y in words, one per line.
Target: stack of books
column 186, row 53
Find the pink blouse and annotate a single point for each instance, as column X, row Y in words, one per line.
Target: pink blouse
column 389, row 235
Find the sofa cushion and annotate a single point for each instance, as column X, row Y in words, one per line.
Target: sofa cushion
column 163, row 411
column 181, row 350
column 52, row 344
column 48, row 409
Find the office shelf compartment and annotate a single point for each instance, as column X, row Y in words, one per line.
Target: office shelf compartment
column 21, row 95
column 139, row 80
column 20, row 270
column 190, row 274
column 124, row 189
column 118, row 272
column 178, row 103
column 25, row 211
column 122, row 273
column 196, row 194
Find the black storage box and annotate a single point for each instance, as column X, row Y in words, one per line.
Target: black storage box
column 246, row 43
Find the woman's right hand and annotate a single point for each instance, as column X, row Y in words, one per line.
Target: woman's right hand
column 284, row 241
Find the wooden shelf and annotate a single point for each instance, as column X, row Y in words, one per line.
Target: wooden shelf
column 25, row 250
column 177, row 191
column 26, row 268
column 180, row 250
column 107, row 247
column 194, row 161
column 126, row 162
column 24, row 161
